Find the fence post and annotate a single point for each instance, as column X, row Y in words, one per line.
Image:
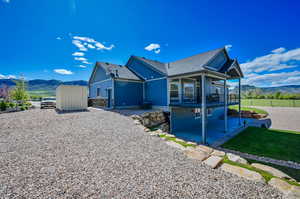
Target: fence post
column 293, row 103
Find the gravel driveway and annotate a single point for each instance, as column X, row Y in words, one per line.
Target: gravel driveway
column 284, row 118
column 101, row 154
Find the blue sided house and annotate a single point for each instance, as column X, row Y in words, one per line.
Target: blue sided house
column 193, row 90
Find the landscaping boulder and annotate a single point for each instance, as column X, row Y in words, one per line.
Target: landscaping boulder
column 218, row 153
column 236, row 158
column 273, row 171
column 213, row 161
column 196, row 155
column 281, row 185
column 294, row 192
column 205, row 149
column 164, row 127
column 242, row 172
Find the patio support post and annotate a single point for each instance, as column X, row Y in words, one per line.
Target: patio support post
column 225, row 106
column 203, row 108
column 240, row 116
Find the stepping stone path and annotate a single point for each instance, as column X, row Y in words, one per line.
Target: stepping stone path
column 213, row 161
column 196, row 155
column 204, row 149
column 236, row 158
column 273, row 171
column 242, row 172
column 214, row 158
column 218, row 153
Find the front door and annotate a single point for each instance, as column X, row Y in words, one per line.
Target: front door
column 109, row 98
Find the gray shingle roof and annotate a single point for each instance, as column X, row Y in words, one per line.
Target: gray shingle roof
column 161, row 67
column 118, row 71
column 192, row 64
column 187, row 65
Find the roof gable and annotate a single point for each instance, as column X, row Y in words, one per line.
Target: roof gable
column 114, row 71
column 194, row 63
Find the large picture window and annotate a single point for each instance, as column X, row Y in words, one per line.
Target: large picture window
column 174, row 90
column 189, row 90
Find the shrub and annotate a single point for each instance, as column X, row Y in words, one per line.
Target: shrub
column 3, row 105
column 11, row 104
column 23, row 108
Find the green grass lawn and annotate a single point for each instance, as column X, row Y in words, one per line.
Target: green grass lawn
column 260, row 111
column 43, row 93
column 277, row 144
column 271, row 102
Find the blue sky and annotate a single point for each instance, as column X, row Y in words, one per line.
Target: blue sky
column 62, row 39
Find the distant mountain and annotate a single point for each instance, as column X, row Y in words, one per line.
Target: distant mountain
column 268, row 90
column 37, row 86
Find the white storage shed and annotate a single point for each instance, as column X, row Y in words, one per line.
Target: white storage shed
column 71, row 98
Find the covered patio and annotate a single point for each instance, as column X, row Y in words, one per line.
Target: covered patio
column 215, row 131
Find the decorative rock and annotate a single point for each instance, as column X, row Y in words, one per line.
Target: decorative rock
column 179, row 140
column 136, row 117
column 218, row 153
column 137, row 122
column 197, row 155
column 159, row 131
column 242, row 172
column 213, row 161
column 204, row 148
column 170, row 135
column 281, row 185
column 146, row 129
column 194, row 143
column 236, row 158
column 294, row 192
column 175, row 145
column 273, row 171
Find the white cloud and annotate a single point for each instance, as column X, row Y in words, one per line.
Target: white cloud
column 152, row 47
column 272, row 79
column 91, row 46
column 86, row 62
column 7, row 76
column 79, row 45
column 82, row 66
column 90, row 43
column 228, row 47
column 157, row 51
column 278, row 50
column 272, row 62
column 58, row 38
column 63, row 71
column 6, row 1
column 80, row 58
column 78, row 54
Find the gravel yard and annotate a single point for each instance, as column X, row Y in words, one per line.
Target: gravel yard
column 101, row 154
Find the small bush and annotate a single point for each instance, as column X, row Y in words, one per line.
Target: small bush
column 23, row 108
column 11, row 104
column 3, row 105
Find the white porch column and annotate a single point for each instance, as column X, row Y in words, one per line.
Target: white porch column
column 240, row 115
column 225, row 106
column 203, row 108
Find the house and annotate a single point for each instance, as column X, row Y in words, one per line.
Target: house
column 194, row 90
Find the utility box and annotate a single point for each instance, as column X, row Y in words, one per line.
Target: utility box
column 71, row 98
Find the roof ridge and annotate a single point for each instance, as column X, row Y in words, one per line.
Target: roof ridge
column 189, row 57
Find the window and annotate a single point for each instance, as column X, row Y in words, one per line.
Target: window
column 197, row 112
column 98, row 92
column 174, row 90
column 188, row 90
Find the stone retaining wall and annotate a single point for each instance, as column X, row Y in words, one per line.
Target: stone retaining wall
column 97, row 102
column 157, row 119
